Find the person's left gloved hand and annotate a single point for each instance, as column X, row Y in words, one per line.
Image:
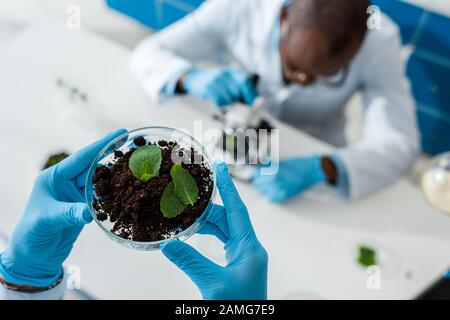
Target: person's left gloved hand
column 245, row 275
column 53, row 219
column 293, row 177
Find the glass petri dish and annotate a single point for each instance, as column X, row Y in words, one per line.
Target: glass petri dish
column 436, row 183
column 125, row 143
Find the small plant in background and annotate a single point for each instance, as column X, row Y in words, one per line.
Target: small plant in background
column 73, row 92
column 367, row 256
column 54, row 159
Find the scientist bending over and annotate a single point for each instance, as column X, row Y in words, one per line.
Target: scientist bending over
column 311, row 57
column 31, row 265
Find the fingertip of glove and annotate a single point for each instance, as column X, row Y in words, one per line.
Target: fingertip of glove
column 221, row 167
column 170, row 249
column 83, row 214
column 119, row 131
column 87, row 216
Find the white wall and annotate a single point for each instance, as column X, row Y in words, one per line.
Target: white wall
column 95, row 16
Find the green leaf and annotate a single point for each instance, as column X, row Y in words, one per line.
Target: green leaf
column 145, row 162
column 55, row 159
column 185, row 185
column 170, row 205
column 367, row 256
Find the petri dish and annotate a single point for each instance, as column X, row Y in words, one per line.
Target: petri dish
column 125, row 143
column 436, row 183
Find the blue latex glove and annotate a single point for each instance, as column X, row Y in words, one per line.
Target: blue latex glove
column 221, row 86
column 245, row 276
column 294, row 176
column 53, row 219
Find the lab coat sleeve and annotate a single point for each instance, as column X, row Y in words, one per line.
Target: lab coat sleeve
column 161, row 59
column 390, row 139
column 342, row 184
column 56, row 293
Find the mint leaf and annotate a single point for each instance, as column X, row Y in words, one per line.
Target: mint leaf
column 367, row 256
column 145, row 162
column 170, row 205
column 185, row 185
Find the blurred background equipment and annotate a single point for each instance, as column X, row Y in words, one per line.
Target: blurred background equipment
column 244, row 147
column 436, row 183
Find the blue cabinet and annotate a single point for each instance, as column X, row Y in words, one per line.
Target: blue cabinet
column 428, row 69
column 155, row 14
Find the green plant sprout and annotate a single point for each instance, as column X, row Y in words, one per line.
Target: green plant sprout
column 179, row 193
column 170, row 205
column 145, row 162
column 185, row 185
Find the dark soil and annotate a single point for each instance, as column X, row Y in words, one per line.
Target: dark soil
column 134, row 206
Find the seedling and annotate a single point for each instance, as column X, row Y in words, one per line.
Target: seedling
column 179, row 193
column 185, row 185
column 149, row 197
column 73, row 92
column 171, row 206
column 145, row 162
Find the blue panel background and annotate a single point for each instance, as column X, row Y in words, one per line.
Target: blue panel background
column 155, row 14
column 428, row 69
column 435, row 36
column 407, row 20
column 430, row 82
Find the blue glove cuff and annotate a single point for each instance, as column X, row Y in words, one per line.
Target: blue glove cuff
column 40, row 282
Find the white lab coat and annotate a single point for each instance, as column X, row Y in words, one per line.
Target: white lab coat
column 247, row 31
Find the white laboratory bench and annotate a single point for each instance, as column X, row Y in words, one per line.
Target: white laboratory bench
column 311, row 241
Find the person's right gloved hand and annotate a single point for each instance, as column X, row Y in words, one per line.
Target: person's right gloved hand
column 222, row 86
column 53, row 218
column 245, row 275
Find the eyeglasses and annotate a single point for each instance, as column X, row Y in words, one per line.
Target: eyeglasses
column 335, row 80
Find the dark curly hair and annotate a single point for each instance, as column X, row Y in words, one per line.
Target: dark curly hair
column 341, row 21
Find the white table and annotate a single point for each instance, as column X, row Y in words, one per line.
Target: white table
column 311, row 241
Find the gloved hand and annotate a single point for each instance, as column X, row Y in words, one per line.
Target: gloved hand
column 53, row 219
column 294, row 176
column 221, row 86
column 245, row 276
